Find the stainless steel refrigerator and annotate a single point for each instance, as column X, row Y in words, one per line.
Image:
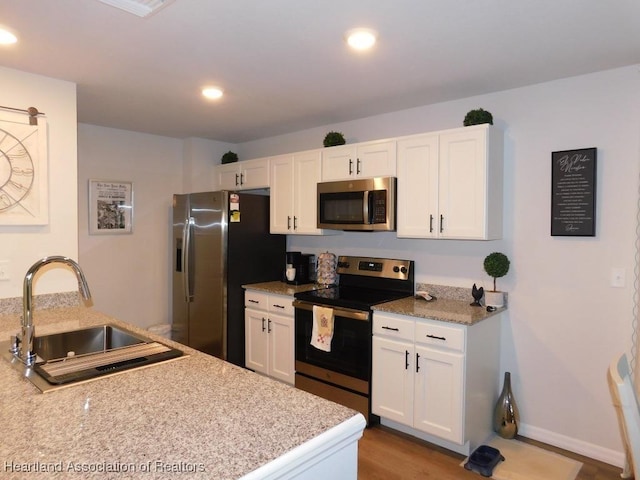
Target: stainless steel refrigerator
column 221, row 241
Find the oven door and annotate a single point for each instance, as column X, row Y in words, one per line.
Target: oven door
column 350, row 353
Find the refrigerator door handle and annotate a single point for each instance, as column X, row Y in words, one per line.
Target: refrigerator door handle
column 186, row 276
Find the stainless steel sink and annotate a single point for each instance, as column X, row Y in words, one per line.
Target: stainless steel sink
column 77, row 355
column 81, row 342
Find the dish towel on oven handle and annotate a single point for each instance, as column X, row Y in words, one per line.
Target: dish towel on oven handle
column 322, row 330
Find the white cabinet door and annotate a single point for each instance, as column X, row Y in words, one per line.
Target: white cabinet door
column 248, row 174
column 338, row 162
column 439, row 393
column 364, row 160
column 463, row 183
column 307, row 171
column 256, row 340
column 282, row 194
column 450, row 184
column 418, row 187
column 269, row 335
column 281, row 347
column 254, row 173
column 227, row 176
column 294, row 201
column 392, row 379
column 377, row 159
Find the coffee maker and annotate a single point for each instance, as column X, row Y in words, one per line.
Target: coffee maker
column 299, row 268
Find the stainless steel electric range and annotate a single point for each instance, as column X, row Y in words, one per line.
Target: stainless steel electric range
column 343, row 374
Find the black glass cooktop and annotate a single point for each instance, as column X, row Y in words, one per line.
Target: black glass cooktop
column 349, row 297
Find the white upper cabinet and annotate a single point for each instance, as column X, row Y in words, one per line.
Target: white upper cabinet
column 450, row 184
column 245, row 175
column 417, row 187
column 360, row 160
column 293, row 193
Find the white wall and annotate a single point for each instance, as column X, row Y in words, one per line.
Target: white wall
column 129, row 275
column 565, row 322
column 199, row 155
column 21, row 246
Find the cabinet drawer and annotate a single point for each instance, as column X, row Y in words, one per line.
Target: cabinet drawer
column 393, row 327
column 437, row 334
column 281, row 304
column 258, row 300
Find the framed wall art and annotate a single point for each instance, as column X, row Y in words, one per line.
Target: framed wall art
column 24, row 196
column 573, row 193
column 110, row 207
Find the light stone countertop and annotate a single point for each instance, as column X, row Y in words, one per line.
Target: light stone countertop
column 281, row 288
column 452, row 303
column 442, row 309
column 196, row 417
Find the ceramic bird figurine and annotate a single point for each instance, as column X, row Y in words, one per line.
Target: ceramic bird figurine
column 477, row 295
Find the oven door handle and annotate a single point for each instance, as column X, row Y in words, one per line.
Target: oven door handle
column 337, row 311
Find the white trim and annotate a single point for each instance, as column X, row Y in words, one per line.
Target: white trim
column 332, row 454
column 596, row 452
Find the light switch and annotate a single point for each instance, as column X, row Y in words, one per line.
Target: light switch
column 618, row 277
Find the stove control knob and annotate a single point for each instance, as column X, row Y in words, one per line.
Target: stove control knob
column 396, row 269
column 403, row 269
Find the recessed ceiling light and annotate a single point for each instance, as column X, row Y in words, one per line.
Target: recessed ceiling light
column 6, row 37
column 361, row 38
column 212, row 92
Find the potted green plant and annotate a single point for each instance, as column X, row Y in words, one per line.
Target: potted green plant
column 478, row 116
column 229, row 157
column 332, row 139
column 496, row 265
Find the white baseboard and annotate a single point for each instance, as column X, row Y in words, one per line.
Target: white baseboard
column 590, row 450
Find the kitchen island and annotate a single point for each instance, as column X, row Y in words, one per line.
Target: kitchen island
column 195, row 417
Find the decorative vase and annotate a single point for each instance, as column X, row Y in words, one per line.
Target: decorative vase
column 506, row 417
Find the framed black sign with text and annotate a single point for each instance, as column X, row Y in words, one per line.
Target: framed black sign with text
column 573, row 193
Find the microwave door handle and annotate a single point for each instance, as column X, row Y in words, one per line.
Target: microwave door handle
column 367, row 208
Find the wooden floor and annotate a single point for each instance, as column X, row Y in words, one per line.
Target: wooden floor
column 384, row 454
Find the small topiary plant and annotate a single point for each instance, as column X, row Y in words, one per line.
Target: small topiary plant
column 332, row 139
column 229, row 157
column 478, row 116
column 496, row 265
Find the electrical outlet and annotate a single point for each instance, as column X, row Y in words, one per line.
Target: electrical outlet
column 4, row 271
column 618, row 277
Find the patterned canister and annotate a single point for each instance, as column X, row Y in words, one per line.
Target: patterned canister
column 326, row 274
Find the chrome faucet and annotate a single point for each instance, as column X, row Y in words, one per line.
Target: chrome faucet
column 23, row 343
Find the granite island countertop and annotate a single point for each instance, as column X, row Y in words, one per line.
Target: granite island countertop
column 195, row 417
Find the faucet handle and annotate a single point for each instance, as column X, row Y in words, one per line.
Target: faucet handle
column 14, row 341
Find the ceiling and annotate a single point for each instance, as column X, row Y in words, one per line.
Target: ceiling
column 284, row 64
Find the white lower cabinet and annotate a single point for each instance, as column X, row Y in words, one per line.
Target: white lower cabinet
column 269, row 335
column 437, row 379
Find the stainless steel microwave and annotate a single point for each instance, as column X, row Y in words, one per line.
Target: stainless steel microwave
column 367, row 204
